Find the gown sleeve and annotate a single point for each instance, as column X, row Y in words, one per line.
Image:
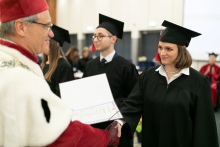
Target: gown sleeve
column 65, row 74
column 216, row 74
column 203, row 70
column 204, row 131
column 130, row 77
column 81, row 135
column 131, row 108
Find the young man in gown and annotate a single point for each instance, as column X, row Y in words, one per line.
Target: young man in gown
column 121, row 73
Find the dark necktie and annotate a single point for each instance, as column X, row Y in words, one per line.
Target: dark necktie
column 103, row 61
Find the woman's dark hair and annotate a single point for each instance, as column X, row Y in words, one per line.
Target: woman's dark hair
column 70, row 54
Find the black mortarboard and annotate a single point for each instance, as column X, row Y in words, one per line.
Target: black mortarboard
column 176, row 34
column 60, row 35
column 114, row 26
column 213, row 54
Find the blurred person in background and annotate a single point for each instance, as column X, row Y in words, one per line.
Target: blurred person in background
column 72, row 57
column 56, row 68
column 212, row 71
column 85, row 58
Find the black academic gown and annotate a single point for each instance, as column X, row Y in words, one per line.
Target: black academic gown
column 62, row 73
column 176, row 115
column 122, row 76
column 81, row 64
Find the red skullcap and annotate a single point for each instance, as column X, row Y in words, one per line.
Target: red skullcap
column 15, row 9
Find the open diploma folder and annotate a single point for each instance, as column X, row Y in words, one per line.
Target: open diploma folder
column 90, row 99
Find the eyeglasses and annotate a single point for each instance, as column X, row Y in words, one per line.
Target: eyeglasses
column 99, row 37
column 49, row 26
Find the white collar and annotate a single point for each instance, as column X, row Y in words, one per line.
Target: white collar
column 109, row 57
column 163, row 72
column 7, row 40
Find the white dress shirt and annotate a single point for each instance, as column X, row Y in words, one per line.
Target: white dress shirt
column 163, row 73
column 109, row 57
column 7, row 40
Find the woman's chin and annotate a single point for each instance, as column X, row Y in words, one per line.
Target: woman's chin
column 165, row 62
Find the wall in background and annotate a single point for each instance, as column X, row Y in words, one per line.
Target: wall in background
column 78, row 15
column 81, row 17
column 53, row 10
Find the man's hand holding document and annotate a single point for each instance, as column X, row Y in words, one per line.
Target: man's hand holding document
column 90, row 99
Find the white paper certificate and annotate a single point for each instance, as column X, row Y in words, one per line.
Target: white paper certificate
column 90, row 99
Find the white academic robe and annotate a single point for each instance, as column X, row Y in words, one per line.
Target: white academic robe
column 22, row 117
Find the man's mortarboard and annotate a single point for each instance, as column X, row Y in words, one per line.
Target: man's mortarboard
column 213, row 54
column 60, row 35
column 115, row 27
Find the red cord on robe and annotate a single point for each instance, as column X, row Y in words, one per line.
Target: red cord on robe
column 214, row 94
column 93, row 47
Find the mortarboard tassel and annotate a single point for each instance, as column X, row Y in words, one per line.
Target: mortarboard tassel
column 157, row 58
column 93, row 47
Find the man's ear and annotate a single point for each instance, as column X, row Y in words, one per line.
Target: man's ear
column 114, row 39
column 20, row 27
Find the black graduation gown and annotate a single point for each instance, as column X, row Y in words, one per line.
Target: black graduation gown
column 122, row 76
column 81, row 64
column 62, row 73
column 73, row 64
column 176, row 115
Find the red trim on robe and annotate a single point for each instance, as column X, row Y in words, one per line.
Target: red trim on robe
column 20, row 49
column 214, row 94
column 78, row 134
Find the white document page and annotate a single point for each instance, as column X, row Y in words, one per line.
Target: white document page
column 90, row 99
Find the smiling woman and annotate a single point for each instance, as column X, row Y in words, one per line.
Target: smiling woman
column 173, row 99
column 179, row 55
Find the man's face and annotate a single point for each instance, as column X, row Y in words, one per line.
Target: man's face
column 38, row 36
column 212, row 59
column 104, row 42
